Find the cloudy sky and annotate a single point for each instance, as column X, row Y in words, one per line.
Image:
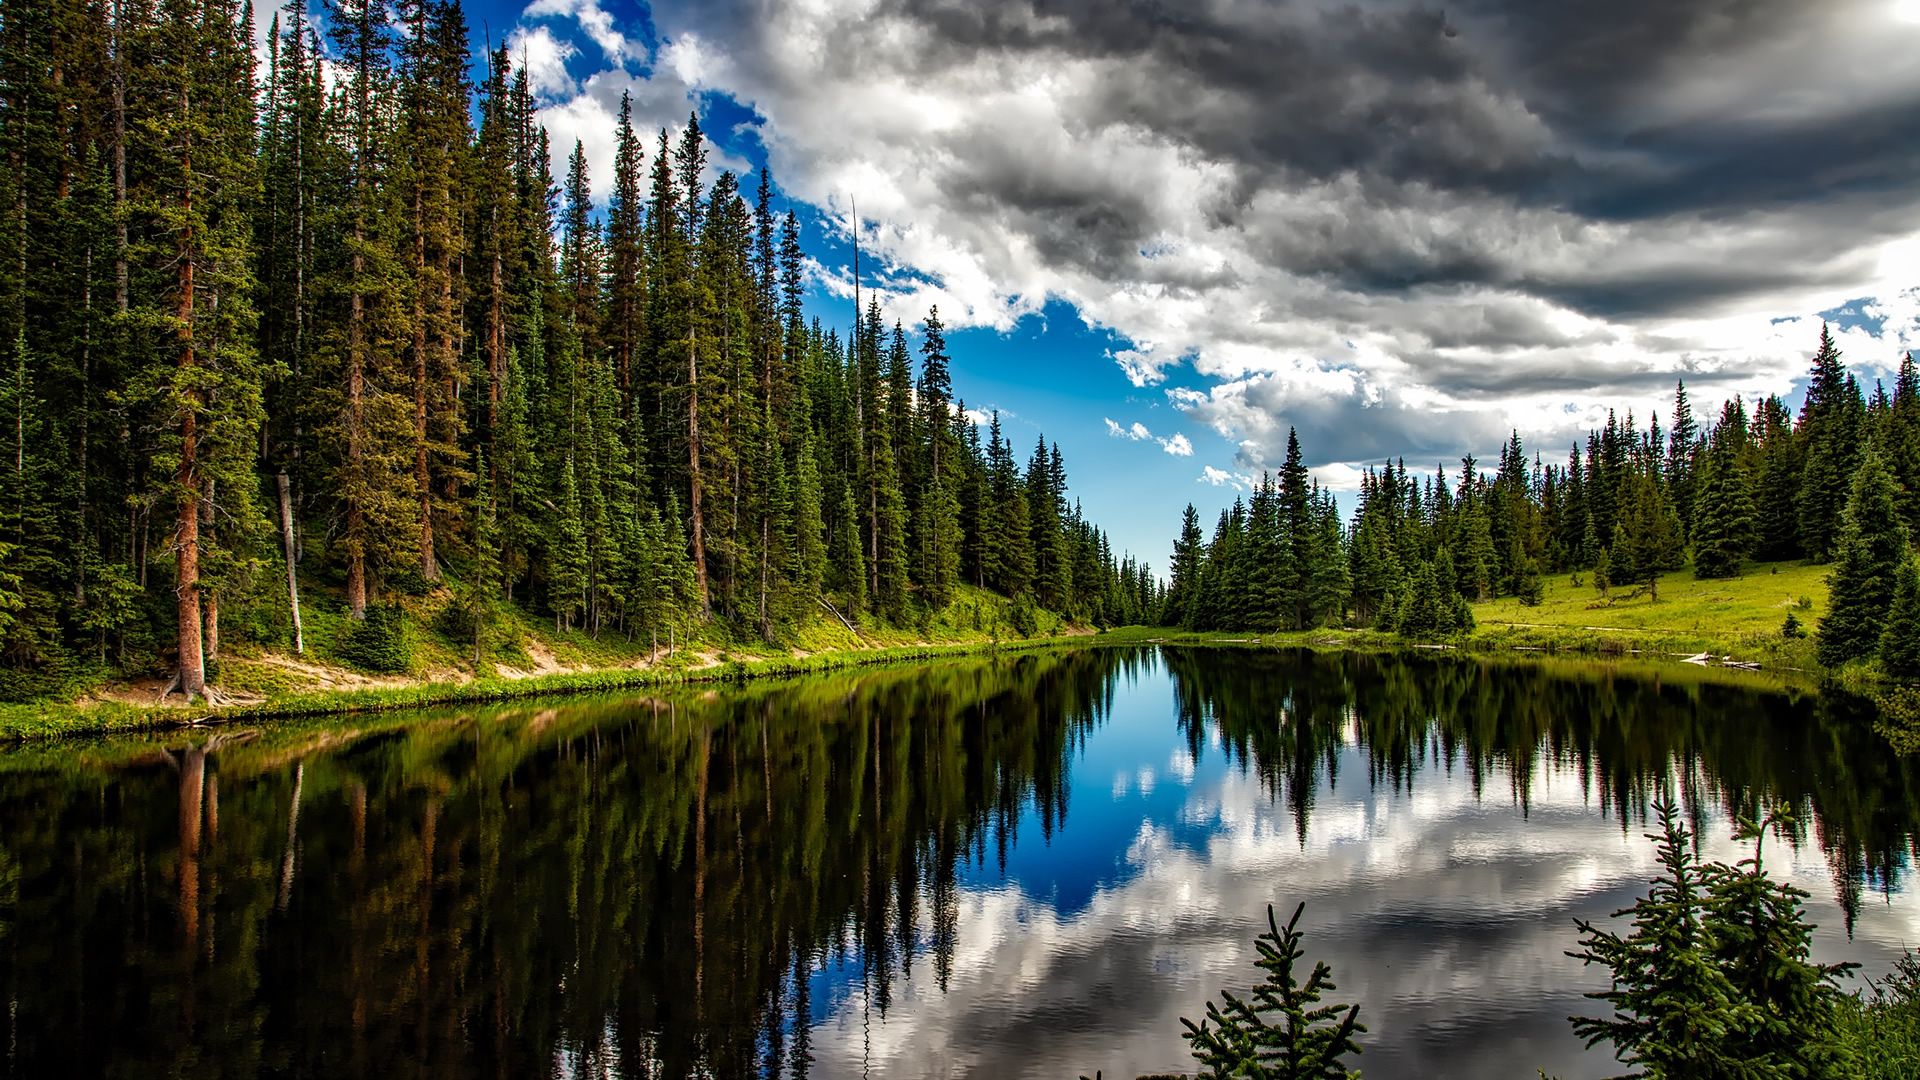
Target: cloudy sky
column 1171, row 229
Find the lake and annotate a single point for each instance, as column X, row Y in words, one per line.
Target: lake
column 1026, row 865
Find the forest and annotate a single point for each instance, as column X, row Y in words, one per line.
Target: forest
column 1838, row 484
column 338, row 321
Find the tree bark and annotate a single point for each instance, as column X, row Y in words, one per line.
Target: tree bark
column 698, row 525
column 422, row 478
column 282, row 488
column 193, row 678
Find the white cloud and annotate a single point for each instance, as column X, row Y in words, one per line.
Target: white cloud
column 1223, row 478
column 545, row 58
column 594, row 20
column 1178, row 445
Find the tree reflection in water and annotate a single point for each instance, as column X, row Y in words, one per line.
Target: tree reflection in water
column 684, row 883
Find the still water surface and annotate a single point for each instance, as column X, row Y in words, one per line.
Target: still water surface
column 1024, row 866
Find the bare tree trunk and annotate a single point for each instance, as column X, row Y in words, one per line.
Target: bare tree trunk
column 193, row 676
column 698, row 526
column 766, row 525
column 210, row 610
column 282, row 488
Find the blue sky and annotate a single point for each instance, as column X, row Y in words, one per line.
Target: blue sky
column 1164, row 235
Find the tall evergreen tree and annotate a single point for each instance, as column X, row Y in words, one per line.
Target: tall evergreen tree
column 1870, row 547
column 1723, row 520
column 1830, row 428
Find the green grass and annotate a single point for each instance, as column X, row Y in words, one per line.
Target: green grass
column 1725, row 610
column 259, row 683
column 1738, row 617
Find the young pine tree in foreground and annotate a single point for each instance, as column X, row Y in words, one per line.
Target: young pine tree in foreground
column 1281, row 1031
column 1714, row 980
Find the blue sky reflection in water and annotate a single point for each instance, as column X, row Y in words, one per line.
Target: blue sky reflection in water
column 1012, row 866
column 1445, row 906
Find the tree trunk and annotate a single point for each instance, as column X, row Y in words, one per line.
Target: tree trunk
column 193, row 677
column 210, row 610
column 698, row 525
column 282, row 487
column 356, row 390
column 422, row 478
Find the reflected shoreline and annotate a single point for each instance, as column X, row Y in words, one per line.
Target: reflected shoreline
column 798, row 878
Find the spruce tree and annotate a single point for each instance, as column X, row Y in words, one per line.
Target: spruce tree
column 1674, row 1007
column 1281, row 1031
column 937, row 529
column 1900, row 637
column 1830, row 427
column 1723, row 520
column 567, row 583
column 1715, row 978
column 1902, row 440
column 1646, row 540
column 1870, row 546
column 1762, row 940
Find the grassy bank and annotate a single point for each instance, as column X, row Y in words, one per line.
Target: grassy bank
column 524, row 658
column 1739, row 618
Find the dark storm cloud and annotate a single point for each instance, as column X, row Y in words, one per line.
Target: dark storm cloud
column 1403, row 229
column 1536, row 99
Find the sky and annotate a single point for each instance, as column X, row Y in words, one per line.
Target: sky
column 1163, row 232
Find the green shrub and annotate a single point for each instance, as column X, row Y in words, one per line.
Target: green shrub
column 408, row 581
column 381, row 643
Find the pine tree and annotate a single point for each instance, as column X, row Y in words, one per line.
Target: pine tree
column 369, row 421
column 1683, row 452
column 1281, row 1031
column 1900, row 637
column 1762, row 940
column 1646, row 542
column 567, row 584
column 937, row 530
column 1830, row 427
column 1713, row 981
column 1723, row 523
column 1777, row 486
column 1870, row 546
column 1189, row 554
column 1902, row 440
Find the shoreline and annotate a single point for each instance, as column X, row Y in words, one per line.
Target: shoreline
column 20, row 725
column 1648, row 649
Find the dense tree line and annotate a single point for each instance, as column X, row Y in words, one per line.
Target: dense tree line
column 1839, row 484
column 354, row 278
